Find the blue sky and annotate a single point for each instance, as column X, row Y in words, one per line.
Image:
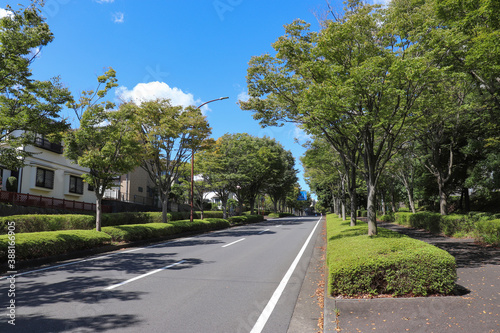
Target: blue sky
column 189, row 51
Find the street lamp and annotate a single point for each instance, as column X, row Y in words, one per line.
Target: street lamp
column 192, row 162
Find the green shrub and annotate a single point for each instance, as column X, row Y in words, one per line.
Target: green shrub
column 420, row 220
column 38, row 223
column 279, row 215
column 426, row 220
column 246, row 219
column 402, row 218
column 388, row 217
column 362, row 213
column 456, row 225
column 210, row 214
column 134, row 232
column 389, row 263
column 112, row 219
column 11, row 184
column 489, row 232
column 48, row 243
column 480, row 216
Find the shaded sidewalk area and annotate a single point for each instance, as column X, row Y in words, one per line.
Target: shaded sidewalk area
column 475, row 308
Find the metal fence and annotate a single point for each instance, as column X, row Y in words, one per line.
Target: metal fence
column 124, row 197
column 30, row 200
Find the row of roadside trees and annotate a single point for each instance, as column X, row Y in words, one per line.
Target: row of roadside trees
column 112, row 140
column 387, row 87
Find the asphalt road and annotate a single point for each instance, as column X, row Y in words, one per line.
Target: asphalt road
column 244, row 279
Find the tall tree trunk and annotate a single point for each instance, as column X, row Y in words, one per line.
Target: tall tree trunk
column 466, row 199
column 343, row 199
column 409, row 191
column 334, row 203
column 382, row 197
column 339, row 210
column 354, row 207
column 252, row 204
column 224, row 208
column 98, row 212
column 393, row 199
column 443, row 202
column 164, row 210
column 372, row 214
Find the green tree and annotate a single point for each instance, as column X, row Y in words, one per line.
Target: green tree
column 354, row 79
column 283, row 178
column 170, row 134
column 472, row 30
column 213, row 165
column 27, row 106
column 105, row 142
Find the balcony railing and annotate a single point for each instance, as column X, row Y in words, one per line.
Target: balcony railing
column 46, row 144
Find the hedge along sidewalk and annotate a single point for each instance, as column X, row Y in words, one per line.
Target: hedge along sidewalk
column 389, row 263
column 53, row 243
column 41, row 222
column 481, row 226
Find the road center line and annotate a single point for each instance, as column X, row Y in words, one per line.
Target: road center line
column 143, row 275
column 239, row 240
column 264, row 231
column 266, row 313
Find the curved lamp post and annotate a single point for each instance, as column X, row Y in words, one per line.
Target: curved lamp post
column 192, row 162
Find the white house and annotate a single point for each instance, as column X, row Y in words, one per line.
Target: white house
column 48, row 173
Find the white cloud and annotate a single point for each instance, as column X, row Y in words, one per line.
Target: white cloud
column 381, row 2
column 243, row 96
column 105, row 1
column 118, row 17
column 300, row 135
column 5, row 12
column 150, row 91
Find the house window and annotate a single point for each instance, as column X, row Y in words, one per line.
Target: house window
column 140, row 189
column 75, row 185
column 44, row 178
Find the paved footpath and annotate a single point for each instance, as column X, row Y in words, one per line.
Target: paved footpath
column 475, row 308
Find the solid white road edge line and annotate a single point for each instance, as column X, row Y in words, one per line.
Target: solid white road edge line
column 143, row 275
column 266, row 313
column 239, row 240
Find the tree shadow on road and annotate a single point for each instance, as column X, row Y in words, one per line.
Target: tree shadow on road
column 96, row 323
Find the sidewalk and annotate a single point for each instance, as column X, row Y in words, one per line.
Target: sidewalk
column 476, row 308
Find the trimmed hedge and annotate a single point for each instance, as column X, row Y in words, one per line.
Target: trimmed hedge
column 38, row 223
column 49, row 243
column 473, row 224
column 388, row 217
column 279, row 215
column 420, row 220
column 389, row 263
column 246, row 219
column 489, row 231
column 41, row 244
